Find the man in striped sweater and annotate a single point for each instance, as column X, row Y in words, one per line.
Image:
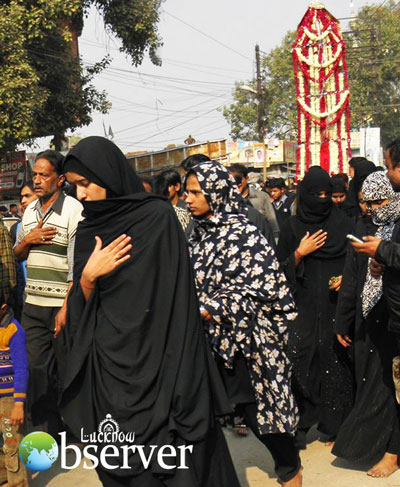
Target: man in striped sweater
column 46, row 240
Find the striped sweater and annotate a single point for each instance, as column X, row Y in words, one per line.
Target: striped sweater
column 48, row 265
column 14, row 369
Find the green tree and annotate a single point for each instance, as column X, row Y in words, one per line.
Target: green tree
column 71, row 96
column 374, row 69
column 135, row 23
column 373, row 61
column 20, row 87
column 44, row 90
column 242, row 114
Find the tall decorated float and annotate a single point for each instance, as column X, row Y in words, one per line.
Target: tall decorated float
column 319, row 61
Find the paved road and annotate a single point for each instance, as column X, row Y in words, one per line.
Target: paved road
column 254, row 467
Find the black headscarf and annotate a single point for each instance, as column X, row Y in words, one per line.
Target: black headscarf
column 338, row 185
column 314, row 213
column 361, row 172
column 136, row 348
column 362, row 169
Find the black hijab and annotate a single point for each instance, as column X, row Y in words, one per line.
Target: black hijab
column 361, row 172
column 362, row 169
column 314, row 213
column 338, row 185
column 136, row 348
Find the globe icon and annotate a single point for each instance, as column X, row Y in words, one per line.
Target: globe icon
column 38, row 451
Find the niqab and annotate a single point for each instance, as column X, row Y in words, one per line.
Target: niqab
column 314, row 213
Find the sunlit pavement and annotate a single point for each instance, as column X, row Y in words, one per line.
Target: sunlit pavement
column 254, row 467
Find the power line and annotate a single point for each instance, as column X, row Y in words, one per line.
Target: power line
column 140, row 132
column 208, row 36
column 173, row 127
column 206, row 66
column 128, row 102
column 169, row 60
column 193, row 131
column 161, row 87
column 208, row 73
column 157, row 119
column 168, row 78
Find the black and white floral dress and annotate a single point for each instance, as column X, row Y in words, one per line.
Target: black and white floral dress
column 240, row 284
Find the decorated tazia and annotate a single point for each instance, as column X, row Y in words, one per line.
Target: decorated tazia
column 319, row 60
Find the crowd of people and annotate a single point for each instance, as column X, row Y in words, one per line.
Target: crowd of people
column 173, row 303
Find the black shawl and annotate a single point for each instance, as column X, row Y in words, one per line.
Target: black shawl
column 136, row 348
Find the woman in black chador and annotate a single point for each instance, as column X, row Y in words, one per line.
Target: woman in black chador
column 136, row 347
column 312, row 249
column 371, row 430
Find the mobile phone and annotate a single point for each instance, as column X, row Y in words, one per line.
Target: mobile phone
column 353, row 238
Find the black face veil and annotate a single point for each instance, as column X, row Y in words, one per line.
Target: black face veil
column 314, row 213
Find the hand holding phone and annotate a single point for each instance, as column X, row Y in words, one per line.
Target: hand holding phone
column 352, row 238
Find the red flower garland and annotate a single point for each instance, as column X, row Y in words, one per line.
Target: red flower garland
column 310, row 42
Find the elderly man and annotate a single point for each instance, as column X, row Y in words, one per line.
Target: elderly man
column 46, row 241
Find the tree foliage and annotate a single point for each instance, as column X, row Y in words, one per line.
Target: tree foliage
column 374, row 69
column 135, row 23
column 44, row 89
column 21, row 91
column 373, row 61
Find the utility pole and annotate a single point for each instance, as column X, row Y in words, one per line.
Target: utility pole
column 260, row 99
column 260, row 96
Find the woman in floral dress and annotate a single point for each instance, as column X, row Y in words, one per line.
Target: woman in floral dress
column 246, row 307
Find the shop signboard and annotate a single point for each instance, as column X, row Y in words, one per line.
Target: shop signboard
column 12, row 172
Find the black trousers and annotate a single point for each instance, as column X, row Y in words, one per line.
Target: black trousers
column 281, row 446
column 46, row 357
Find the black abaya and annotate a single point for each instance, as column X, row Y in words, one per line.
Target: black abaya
column 322, row 378
column 136, row 348
column 372, row 426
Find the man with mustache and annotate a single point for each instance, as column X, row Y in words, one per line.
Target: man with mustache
column 46, row 240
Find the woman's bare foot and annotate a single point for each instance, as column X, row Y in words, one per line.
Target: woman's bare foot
column 296, row 481
column 329, row 443
column 241, row 430
column 385, row 467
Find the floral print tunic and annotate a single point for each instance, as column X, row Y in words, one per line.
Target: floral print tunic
column 240, row 284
